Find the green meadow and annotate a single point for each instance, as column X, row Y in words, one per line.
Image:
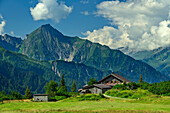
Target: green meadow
column 161, row 105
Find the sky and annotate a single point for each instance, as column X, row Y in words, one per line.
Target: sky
column 137, row 24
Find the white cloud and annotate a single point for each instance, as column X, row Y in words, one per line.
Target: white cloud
column 108, row 36
column 50, row 9
column 142, row 24
column 2, row 25
column 85, row 13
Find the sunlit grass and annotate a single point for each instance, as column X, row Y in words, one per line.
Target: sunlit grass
column 108, row 105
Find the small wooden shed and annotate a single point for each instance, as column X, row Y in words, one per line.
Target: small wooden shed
column 41, row 97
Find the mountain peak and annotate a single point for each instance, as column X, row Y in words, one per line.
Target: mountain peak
column 45, row 31
column 46, row 25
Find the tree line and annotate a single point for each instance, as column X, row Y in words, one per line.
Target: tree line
column 14, row 95
column 61, row 90
column 161, row 88
column 51, row 88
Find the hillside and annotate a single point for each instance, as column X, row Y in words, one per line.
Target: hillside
column 10, row 43
column 18, row 71
column 47, row 43
column 157, row 58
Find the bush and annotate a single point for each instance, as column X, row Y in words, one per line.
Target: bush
column 1, row 99
column 167, row 94
column 32, row 100
column 133, row 94
column 90, row 97
column 125, row 94
column 52, row 99
column 112, row 92
column 60, row 97
column 162, row 88
column 119, row 86
column 133, row 85
column 74, row 94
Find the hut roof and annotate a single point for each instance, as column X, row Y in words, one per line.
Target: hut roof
column 101, row 86
column 116, row 76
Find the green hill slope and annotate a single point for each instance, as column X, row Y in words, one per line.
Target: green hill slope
column 18, row 71
column 157, row 58
column 10, row 43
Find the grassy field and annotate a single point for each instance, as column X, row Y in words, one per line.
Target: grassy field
column 70, row 105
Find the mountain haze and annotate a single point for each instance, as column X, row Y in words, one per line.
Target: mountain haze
column 158, row 58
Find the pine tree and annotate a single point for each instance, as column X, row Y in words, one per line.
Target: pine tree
column 28, row 93
column 62, row 88
column 140, row 79
column 73, row 88
column 62, row 81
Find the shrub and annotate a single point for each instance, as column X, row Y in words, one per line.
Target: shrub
column 1, row 99
column 119, row 86
column 133, row 85
column 167, row 94
column 32, row 100
column 52, row 99
column 60, row 97
column 112, row 92
column 90, row 97
column 133, row 94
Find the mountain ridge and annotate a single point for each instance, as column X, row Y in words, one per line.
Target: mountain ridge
column 157, row 58
column 10, row 42
column 47, row 43
column 17, row 71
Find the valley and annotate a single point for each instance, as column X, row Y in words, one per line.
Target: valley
column 46, row 54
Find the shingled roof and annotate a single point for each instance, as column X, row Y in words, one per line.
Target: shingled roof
column 116, row 76
column 101, row 86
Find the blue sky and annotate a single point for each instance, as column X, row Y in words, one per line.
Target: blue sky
column 137, row 24
column 19, row 20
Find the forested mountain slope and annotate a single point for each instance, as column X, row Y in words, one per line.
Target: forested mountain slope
column 158, row 58
column 18, row 71
column 47, row 43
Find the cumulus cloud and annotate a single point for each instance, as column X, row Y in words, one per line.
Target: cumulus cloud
column 142, row 24
column 2, row 25
column 50, row 9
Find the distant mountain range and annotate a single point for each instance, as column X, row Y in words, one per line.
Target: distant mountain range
column 51, row 54
column 157, row 58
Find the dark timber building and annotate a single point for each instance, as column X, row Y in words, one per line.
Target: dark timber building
column 104, row 84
